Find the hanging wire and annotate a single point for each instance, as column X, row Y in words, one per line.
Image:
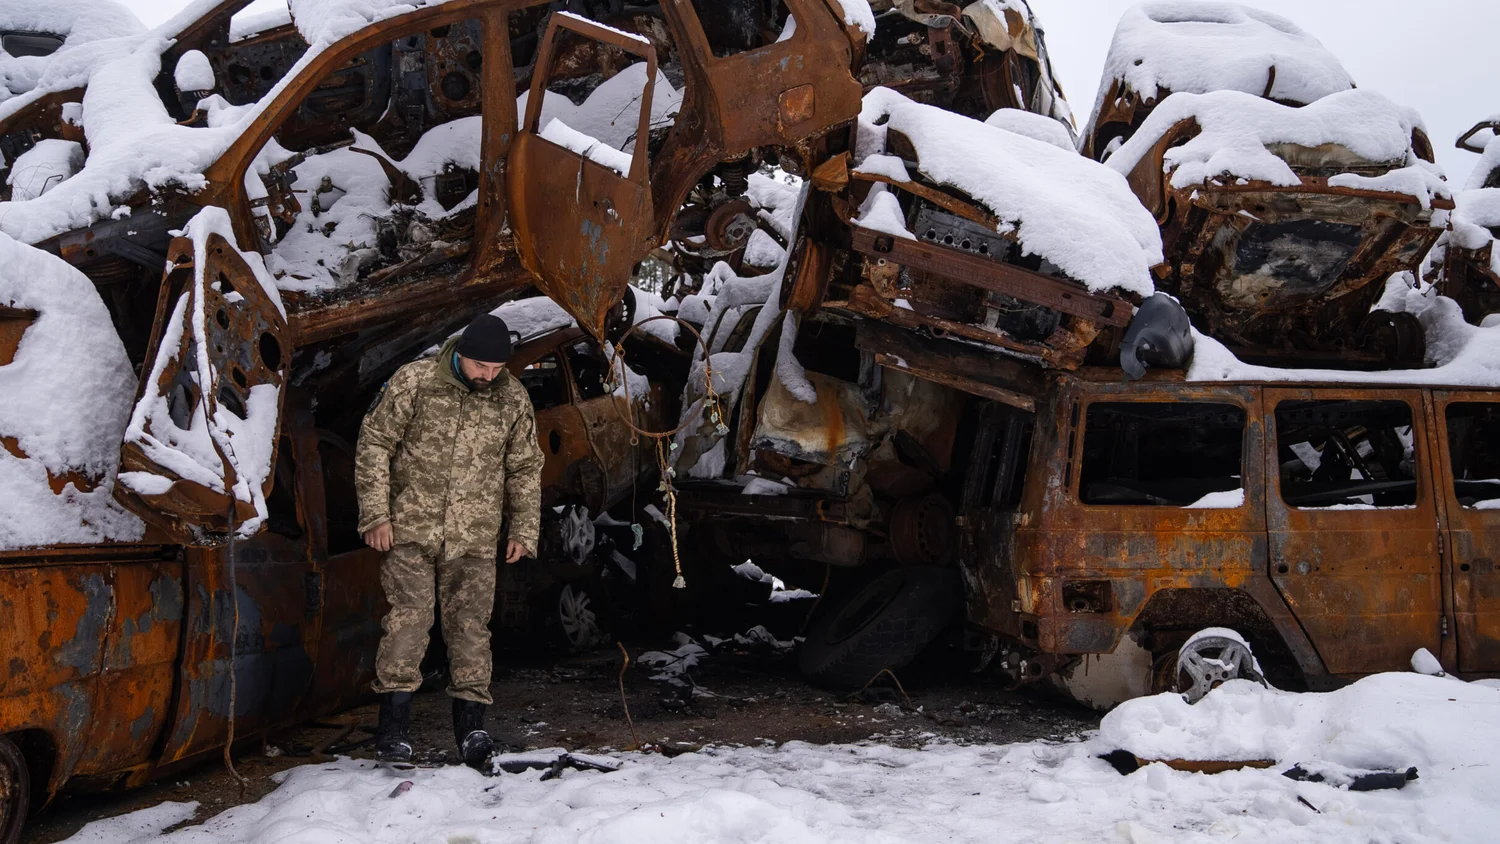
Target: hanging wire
column 710, row 404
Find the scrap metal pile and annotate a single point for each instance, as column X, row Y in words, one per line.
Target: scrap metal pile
column 879, row 220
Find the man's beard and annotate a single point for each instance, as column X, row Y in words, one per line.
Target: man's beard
column 482, row 382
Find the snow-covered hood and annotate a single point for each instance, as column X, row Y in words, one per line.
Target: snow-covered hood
column 1079, row 215
column 1240, row 134
column 1196, row 47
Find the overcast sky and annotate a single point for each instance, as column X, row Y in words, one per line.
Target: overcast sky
column 1437, row 56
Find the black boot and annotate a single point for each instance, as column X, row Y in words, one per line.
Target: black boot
column 474, row 744
column 393, row 733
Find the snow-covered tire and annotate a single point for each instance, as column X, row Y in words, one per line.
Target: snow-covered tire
column 15, row 791
column 884, row 625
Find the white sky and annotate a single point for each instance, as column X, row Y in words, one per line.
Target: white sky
column 1435, row 56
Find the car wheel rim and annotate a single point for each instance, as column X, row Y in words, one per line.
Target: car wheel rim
column 578, row 534
column 1208, row 662
column 579, row 623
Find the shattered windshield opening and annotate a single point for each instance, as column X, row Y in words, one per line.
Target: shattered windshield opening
column 1474, row 449
column 1346, row 455
column 1173, row 454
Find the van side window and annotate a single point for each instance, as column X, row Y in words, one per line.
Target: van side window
column 1346, row 455
column 1166, row 454
column 1474, row 449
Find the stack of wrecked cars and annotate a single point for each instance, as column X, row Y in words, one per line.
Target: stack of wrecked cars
column 833, row 274
column 1130, row 421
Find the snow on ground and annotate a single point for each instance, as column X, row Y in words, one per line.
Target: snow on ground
column 1199, row 47
column 67, row 396
column 1240, row 132
column 1030, row 792
column 1074, row 213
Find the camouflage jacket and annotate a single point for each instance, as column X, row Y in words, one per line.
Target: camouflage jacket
column 447, row 465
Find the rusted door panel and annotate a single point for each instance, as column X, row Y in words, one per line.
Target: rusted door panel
column 1473, row 535
column 1365, row 584
column 353, row 605
column 610, row 438
column 275, row 600
column 210, row 298
column 139, row 666
column 580, row 226
column 780, row 93
column 56, row 621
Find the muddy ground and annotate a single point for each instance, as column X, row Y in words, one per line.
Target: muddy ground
column 736, row 695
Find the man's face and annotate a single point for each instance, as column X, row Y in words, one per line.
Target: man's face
column 479, row 373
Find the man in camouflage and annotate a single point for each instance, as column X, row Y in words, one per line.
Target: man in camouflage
column 446, row 459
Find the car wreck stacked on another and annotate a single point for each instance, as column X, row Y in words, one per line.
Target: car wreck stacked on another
column 943, row 362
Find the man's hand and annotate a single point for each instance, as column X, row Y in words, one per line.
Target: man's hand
column 514, row 551
column 380, row 537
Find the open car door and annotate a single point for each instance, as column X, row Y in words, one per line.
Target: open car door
column 204, row 429
column 581, row 209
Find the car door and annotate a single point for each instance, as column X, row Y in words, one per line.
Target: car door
column 1352, row 523
column 1468, row 480
column 581, row 208
column 203, row 431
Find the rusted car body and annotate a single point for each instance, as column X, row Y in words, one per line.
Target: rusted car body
column 971, row 58
column 1122, row 518
column 1283, row 270
column 1290, row 274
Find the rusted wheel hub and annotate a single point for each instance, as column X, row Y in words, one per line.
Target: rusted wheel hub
column 730, row 225
column 921, row 531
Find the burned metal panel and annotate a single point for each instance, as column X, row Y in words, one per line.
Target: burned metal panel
column 57, row 615
column 1135, row 548
column 996, row 277
column 1466, row 425
column 580, row 226
column 13, row 325
column 210, row 298
column 352, row 606
column 273, row 599
column 139, row 667
column 1365, row 583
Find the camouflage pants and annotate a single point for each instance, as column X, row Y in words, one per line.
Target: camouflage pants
column 465, row 593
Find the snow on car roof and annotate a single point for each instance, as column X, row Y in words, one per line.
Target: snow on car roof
column 82, row 24
column 133, row 141
column 1071, row 211
column 76, row 21
column 1238, row 130
column 1197, row 47
column 68, row 394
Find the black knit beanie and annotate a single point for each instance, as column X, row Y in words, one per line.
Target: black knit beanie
column 487, row 340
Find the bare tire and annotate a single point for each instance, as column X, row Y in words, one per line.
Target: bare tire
column 884, row 625
column 15, row 791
